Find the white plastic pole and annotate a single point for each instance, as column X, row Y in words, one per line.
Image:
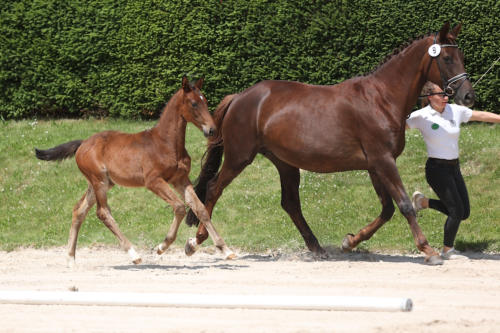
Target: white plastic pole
column 285, row 302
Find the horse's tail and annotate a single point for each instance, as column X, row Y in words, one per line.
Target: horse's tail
column 213, row 157
column 60, row 152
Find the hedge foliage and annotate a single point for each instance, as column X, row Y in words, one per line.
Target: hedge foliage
column 126, row 58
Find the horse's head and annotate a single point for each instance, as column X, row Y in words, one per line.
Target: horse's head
column 447, row 66
column 195, row 108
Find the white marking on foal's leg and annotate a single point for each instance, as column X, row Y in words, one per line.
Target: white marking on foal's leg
column 70, row 261
column 228, row 254
column 161, row 248
column 136, row 259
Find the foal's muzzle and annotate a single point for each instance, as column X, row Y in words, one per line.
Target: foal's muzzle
column 208, row 130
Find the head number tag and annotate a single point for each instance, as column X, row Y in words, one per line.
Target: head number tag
column 434, row 50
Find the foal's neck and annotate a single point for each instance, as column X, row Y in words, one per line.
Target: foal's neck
column 171, row 127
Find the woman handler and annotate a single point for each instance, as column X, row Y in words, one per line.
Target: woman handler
column 439, row 123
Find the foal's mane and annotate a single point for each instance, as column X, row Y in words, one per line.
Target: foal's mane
column 398, row 50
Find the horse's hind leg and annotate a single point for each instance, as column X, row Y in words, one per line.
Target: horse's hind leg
column 387, row 172
column 104, row 214
column 160, row 187
column 351, row 241
column 79, row 213
column 290, row 201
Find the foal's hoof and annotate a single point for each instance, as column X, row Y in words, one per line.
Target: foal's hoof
column 434, row 260
column 346, row 243
column 191, row 246
column 231, row 256
column 136, row 259
column 161, row 249
column 70, row 262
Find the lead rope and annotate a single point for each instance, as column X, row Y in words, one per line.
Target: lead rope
column 486, row 72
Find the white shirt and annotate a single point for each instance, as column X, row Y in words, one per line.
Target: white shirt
column 440, row 130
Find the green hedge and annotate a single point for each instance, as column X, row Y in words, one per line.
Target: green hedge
column 126, row 58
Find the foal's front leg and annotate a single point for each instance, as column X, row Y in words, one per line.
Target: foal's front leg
column 161, row 188
column 189, row 195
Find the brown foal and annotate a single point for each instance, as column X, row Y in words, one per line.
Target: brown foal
column 153, row 159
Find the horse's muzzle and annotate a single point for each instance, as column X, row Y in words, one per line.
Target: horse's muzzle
column 469, row 99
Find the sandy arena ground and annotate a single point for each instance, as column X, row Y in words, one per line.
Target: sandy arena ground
column 460, row 296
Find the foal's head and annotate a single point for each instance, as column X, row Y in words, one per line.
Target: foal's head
column 194, row 107
column 448, row 70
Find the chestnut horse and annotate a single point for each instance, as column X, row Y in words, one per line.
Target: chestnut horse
column 153, row 158
column 358, row 124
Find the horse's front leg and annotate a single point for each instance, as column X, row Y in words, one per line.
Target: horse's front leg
column 187, row 191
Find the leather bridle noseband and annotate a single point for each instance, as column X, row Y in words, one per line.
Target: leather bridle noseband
column 434, row 51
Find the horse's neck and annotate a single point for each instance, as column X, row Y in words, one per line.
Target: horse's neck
column 171, row 127
column 404, row 75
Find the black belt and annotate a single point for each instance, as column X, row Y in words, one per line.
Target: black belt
column 442, row 161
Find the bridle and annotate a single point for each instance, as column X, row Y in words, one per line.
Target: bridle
column 434, row 51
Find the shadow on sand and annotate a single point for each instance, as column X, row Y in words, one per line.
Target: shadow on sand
column 474, row 251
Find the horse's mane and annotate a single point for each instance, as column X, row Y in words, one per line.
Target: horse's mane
column 399, row 50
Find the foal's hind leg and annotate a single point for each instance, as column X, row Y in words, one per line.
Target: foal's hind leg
column 351, row 241
column 79, row 213
column 160, row 187
column 290, row 201
column 104, row 214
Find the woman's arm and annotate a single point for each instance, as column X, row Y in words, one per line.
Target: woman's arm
column 488, row 117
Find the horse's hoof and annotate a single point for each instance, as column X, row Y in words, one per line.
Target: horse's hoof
column 322, row 255
column 346, row 243
column 191, row 246
column 137, row 261
column 434, row 260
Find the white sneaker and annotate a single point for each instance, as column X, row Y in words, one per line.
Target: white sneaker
column 453, row 254
column 416, row 201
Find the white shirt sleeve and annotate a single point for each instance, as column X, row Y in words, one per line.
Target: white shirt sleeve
column 464, row 113
column 414, row 120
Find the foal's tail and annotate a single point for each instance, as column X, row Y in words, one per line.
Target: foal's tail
column 212, row 161
column 60, row 152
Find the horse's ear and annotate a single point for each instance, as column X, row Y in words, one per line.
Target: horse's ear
column 444, row 31
column 185, row 84
column 199, row 83
column 456, row 29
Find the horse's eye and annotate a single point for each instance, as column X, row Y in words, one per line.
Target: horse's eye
column 194, row 105
column 448, row 60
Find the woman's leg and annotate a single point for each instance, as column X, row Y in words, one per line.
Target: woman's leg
column 447, row 183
